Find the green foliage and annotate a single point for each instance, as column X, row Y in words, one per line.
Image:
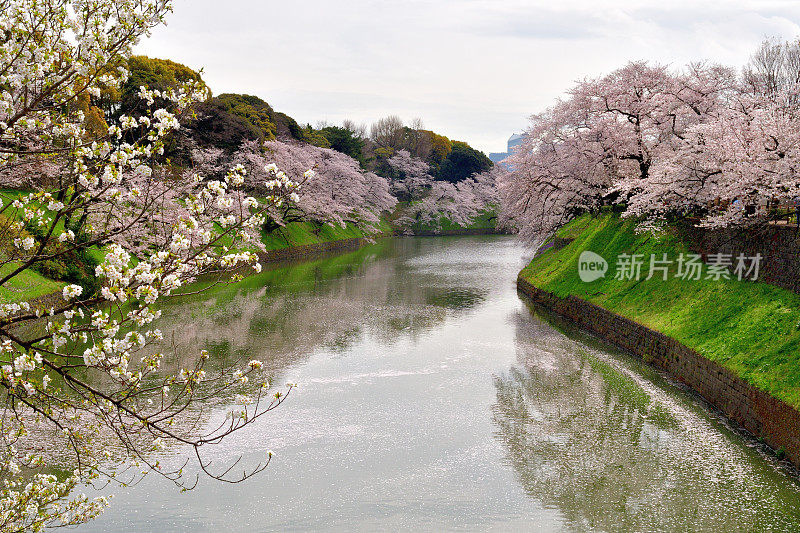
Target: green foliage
column 315, row 137
column 441, row 147
column 152, row 73
column 451, row 161
column 95, row 122
column 254, row 110
column 748, row 327
column 215, row 125
column 462, row 162
column 74, row 267
column 345, row 141
column 53, row 269
column 385, row 152
column 288, row 127
column 224, row 122
column 158, row 73
column 230, row 119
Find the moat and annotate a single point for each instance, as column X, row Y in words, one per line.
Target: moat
column 432, row 396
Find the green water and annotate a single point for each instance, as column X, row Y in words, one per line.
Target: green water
column 432, row 397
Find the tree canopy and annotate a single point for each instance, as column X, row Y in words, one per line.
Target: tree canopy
column 254, row 110
column 702, row 143
column 462, row 162
column 345, row 141
column 154, row 74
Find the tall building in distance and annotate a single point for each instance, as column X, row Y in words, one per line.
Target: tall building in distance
column 514, row 140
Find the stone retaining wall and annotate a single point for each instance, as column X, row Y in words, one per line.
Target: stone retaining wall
column 779, row 246
column 753, row 409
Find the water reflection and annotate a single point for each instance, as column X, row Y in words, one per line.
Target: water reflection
column 592, row 436
column 290, row 310
column 432, row 398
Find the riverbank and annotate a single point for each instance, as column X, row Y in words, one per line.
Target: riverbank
column 304, row 239
column 296, row 240
column 734, row 342
column 484, row 224
column 421, row 369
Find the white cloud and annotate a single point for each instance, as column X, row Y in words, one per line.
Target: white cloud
column 472, row 69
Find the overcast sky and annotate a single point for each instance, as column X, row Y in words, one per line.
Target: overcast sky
column 473, row 70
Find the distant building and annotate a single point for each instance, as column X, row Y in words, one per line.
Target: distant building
column 496, row 157
column 514, row 140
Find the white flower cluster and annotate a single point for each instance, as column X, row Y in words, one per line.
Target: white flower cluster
column 156, row 236
column 7, row 310
column 72, row 291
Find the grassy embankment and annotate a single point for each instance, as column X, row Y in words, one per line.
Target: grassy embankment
column 751, row 328
column 305, row 233
column 486, row 221
column 26, row 286
column 50, row 276
column 30, row 284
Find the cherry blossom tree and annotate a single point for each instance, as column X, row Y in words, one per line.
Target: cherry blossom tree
column 611, row 140
column 412, row 178
column 730, row 168
column 557, row 171
column 429, row 201
column 701, row 96
column 737, row 157
column 336, row 191
column 85, row 371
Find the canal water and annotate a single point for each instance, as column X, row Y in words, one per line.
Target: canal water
column 433, row 397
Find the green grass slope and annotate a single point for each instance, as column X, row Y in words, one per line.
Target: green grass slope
column 26, row 286
column 304, row 233
column 749, row 327
column 29, row 284
column 485, row 221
